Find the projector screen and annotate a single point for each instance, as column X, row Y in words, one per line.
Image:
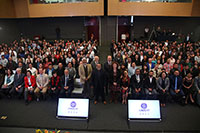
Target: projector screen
column 73, row 108
column 144, row 109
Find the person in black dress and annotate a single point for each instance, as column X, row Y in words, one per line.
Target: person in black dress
column 188, row 82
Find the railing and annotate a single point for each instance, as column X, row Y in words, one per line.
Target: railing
column 174, row 1
column 59, row 1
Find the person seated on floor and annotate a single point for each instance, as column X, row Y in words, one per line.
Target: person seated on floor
column 163, row 84
column 197, row 87
column 42, row 81
column 136, row 84
column 30, row 84
column 55, row 86
column 67, row 84
column 176, row 87
column 8, row 83
column 150, row 86
column 18, row 84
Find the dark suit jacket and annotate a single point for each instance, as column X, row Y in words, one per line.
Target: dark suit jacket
column 107, row 68
column 70, row 82
column 135, row 84
column 179, row 82
column 147, row 83
column 19, row 81
column 98, row 81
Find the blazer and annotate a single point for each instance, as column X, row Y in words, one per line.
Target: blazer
column 147, row 83
column 159, row 83
column 107, row 68
column 82, row 72
column 152, row 65
column 98, row 81
column 70, row 82
column 42, row 81
column 179, row 82
column 19, row 81
column 72, row 72
column 11, row 78
column 197, row 83
column 55, row 84
column 33, row 81
column 135, row 84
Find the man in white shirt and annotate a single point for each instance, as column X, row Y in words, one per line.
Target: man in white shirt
column 3, row 61
column 131, row 70
column 32, row 69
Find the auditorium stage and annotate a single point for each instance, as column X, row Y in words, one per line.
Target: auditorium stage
column 110, row 117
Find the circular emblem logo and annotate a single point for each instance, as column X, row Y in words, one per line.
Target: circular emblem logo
column 144, row 105
column 73, row 104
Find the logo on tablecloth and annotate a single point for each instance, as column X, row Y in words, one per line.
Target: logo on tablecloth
column 73, row 104
column 143, row 105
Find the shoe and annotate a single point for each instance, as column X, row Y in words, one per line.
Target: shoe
column 95, row 102
column 104, row 102
column 192, row 100
column 9, row 97
column 111, row 101
column 37, row 99
column 26, row 102
column 125, row 101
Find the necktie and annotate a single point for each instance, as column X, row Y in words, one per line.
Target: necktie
column 66, row 79
column 176, row 83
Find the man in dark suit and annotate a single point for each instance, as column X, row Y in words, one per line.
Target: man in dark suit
column 137, row 85
column 150, row 86
column 176, row 87
column 98, row 83
column 107, row 70
column 18, row 85
column 60, row 70
column 67, row 84
column 95, row 62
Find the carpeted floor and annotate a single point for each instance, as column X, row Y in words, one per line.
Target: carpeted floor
column 110, row 117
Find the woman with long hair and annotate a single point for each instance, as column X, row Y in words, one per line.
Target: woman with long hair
column 114, row 82
column 125, row 82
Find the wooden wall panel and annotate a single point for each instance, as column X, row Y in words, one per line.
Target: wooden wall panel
column 21, row 8
column 67, row 9
column 116, row 8
column 7, row 9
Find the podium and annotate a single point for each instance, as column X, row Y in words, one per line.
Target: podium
column 144, row 111
column 73, row 108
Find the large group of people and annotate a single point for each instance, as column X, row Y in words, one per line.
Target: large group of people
column 37, row 69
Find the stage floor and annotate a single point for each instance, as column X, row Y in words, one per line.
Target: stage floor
column 103, row 118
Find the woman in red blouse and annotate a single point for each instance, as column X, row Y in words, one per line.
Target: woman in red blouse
column 30, row 84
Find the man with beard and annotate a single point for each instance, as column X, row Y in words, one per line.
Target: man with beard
column 98, row 83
